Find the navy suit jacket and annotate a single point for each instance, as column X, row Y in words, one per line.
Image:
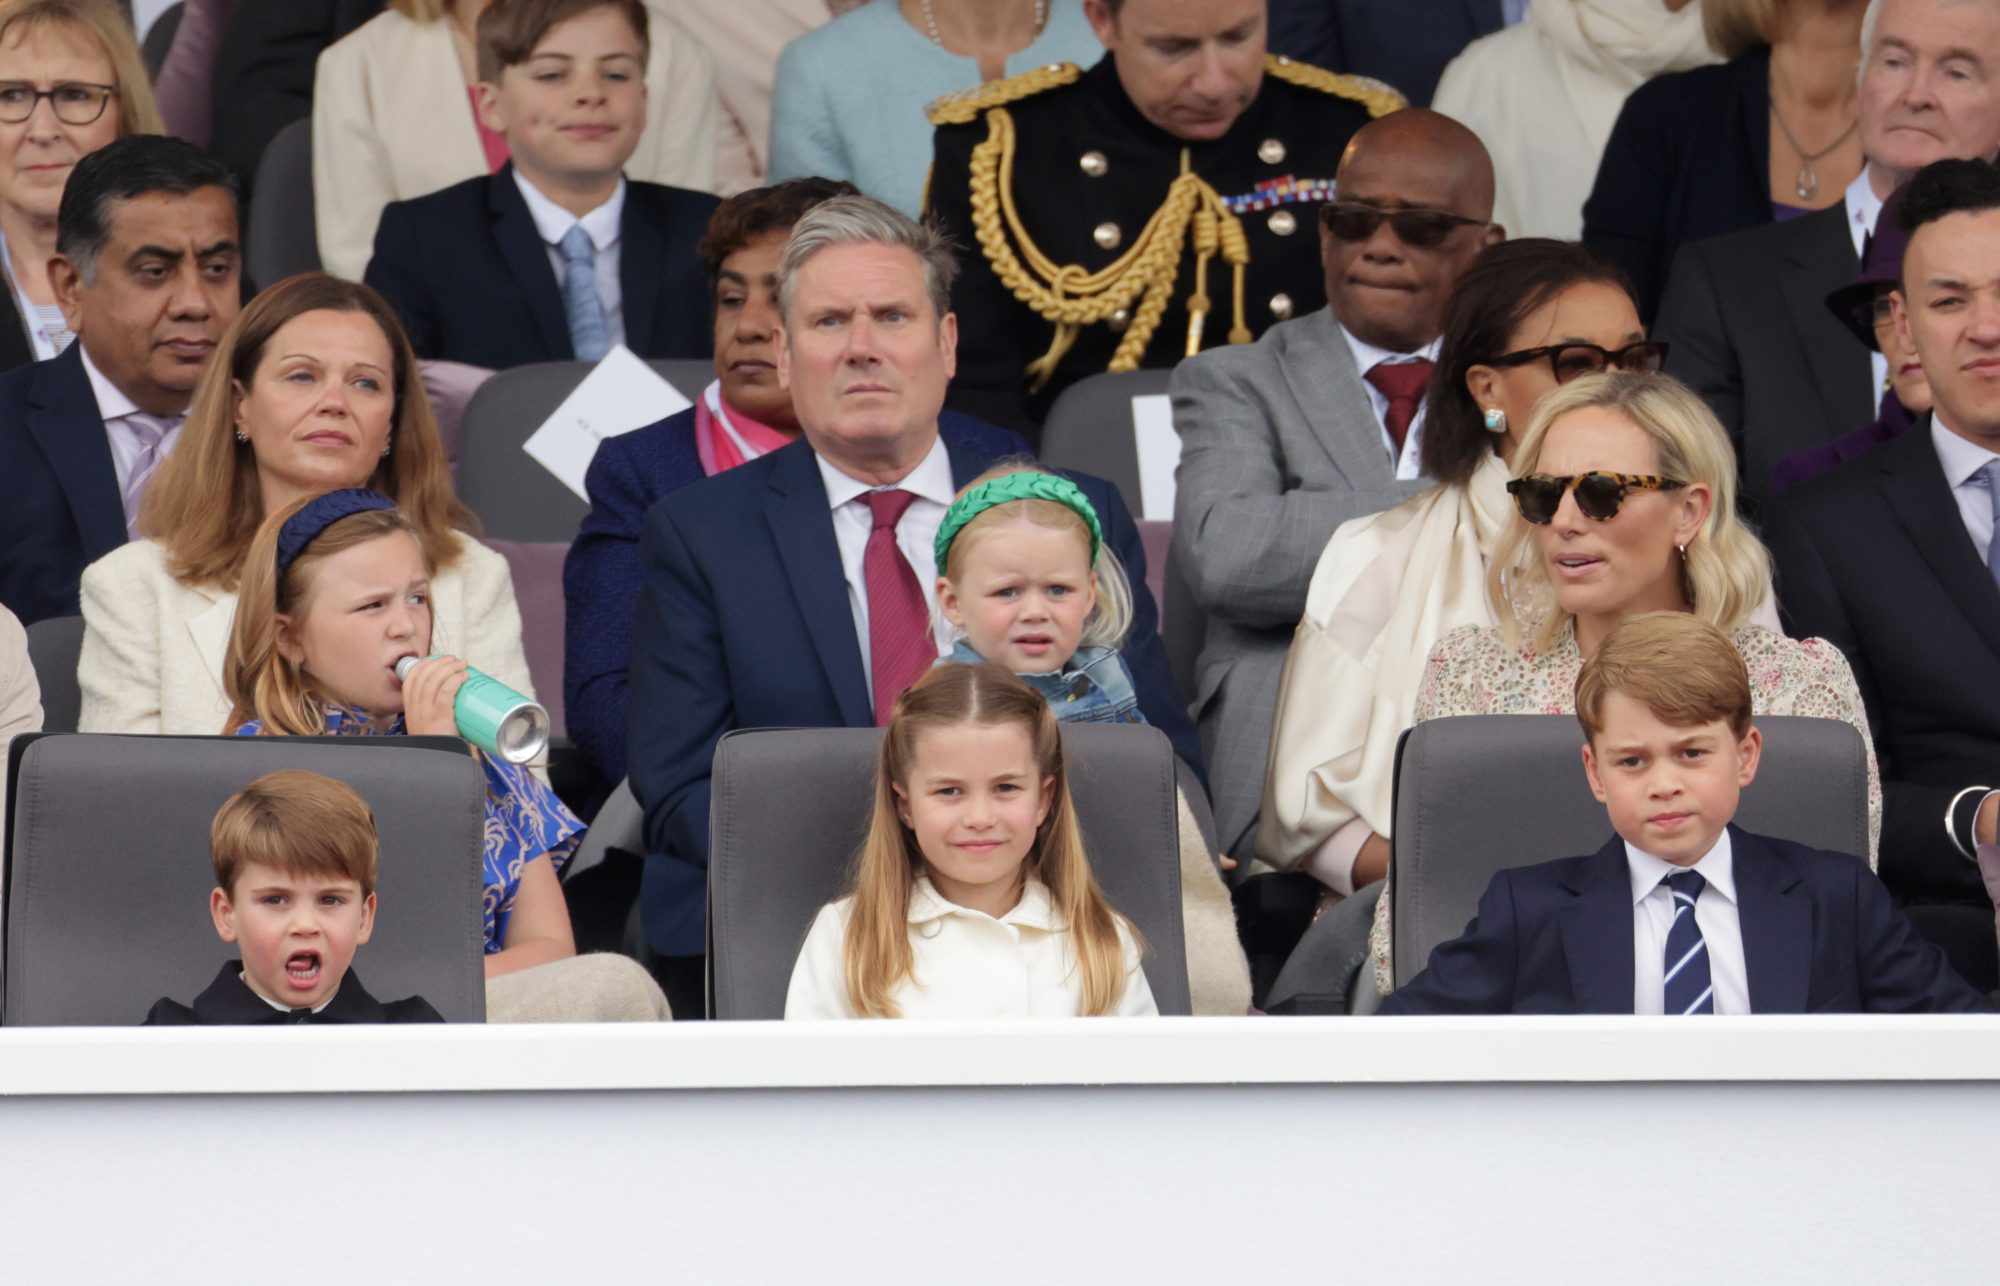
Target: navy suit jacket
column 601, row 579
column 1404, row 42
column 743, row 622
column 63, row 510
column 1820, row 935
column 471, row 277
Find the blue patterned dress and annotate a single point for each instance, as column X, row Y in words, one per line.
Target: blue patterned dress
column 524, row 821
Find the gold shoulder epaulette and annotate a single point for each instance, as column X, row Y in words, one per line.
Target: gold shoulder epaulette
column 967, row 105
column 1378, row 98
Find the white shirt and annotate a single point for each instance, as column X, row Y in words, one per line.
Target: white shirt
column 1715, row 914
column 1366, row 358
column 966, row 963
column 128, row 444
column 916, row 534
column 1961, row 461
column 1864, row 209
column 553, row 223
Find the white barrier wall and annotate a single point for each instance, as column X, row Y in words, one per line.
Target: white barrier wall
column 1768, row 1150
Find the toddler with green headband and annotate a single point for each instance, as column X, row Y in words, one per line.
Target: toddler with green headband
column 1026, row 578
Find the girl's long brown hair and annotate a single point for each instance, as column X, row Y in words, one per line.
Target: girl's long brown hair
column 260, row 681
column 877, row 952
column 205, row 505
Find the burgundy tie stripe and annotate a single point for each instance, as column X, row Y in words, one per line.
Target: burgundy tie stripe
column 900, row 643
column 1403, row 383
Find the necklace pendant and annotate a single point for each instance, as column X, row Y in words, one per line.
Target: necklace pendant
column 1808, row 183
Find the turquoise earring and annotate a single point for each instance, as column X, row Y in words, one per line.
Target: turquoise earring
column 1496, row 421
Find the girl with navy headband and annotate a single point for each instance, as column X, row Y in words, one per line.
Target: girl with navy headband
column 335, row 592
column 1026, row 579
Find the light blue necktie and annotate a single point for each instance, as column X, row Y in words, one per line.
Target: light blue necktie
column 589, row 332
column 1688, row 989
column 1989, row 473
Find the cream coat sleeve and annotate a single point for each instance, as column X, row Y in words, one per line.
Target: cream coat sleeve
column 1136, row 1001
column 119, row 669
column 353, row 174
column 683, row 114
column 818, row 989
column 486, row 621
column 20, row 694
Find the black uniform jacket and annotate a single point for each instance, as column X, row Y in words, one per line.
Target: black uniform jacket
column 228, row 1001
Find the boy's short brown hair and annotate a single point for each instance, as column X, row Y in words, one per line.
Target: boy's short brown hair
column 1685, row 670
column 298, row 822
column 509, row 30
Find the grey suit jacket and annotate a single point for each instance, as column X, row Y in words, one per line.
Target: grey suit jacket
column 1279, row 446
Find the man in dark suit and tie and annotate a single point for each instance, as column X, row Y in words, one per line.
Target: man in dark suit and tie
column 798, row 589
column 1405, row 44
column 1744, row 314
column 558, row 256
column 1892, row 557
column 1682, row 913
column 148, row 274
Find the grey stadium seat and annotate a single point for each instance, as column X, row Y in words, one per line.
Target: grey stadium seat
column 53, row 648
column 282, row 231
column 771, row 869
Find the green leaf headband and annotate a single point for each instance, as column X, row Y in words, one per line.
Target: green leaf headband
column 1027, row 484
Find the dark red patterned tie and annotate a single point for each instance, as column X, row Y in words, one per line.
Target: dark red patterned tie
column 1403, row 383
column 900, row 643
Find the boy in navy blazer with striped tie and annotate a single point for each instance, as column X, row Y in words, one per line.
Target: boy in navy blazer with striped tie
column 1682, row 913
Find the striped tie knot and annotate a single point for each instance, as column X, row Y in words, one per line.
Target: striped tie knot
column 1686, row 887
column 887, row 506
column 1688, row 989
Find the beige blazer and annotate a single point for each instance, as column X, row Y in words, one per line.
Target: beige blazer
column 20, row 698
column 153, row 648
column 744, row 41
column 391, row 121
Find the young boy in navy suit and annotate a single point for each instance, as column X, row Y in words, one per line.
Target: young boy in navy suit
column 1682, row 913
column 295, row 857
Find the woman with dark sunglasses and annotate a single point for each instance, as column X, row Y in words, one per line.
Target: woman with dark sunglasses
column 1526, row 316
column 1629, row 507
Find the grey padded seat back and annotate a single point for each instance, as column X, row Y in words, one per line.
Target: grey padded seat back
column 53, row 648
column 282, row 233
column 1477, row 795
column 772, row 868
column 514, row 496
column 1089, row 429
column 109, row 875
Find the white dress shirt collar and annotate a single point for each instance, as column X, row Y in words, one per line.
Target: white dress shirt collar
column 1961, row 458
column 1367, row 356
column 930, row 480
column 552, row 222
column 112, row 404
column 1863, row 209
column 1717, row 866
column 1035, row 910
column 283, row 1009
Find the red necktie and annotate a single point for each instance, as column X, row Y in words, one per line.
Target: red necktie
column 1403, row 383
column 900, row 643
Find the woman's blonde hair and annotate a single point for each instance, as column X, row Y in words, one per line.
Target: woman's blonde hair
column 1735, row 27
column 1725, row 569
column 205, row 503
column 877, row 952
column 138, row 111
column 421, row 10
column 261, row 682
column 1111, row 619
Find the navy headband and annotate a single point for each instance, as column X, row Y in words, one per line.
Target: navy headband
column 304, row 527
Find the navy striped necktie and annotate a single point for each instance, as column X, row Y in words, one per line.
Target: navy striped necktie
column 1688, row 990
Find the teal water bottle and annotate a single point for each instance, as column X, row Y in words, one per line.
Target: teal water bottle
column 493, row 716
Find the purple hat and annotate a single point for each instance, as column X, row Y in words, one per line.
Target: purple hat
column 1881, row 265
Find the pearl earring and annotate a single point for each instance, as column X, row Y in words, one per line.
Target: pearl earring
column 242, row 437
column 386, row 446
column 1496, row 421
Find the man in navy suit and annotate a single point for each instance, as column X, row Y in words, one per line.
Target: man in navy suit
column 1682, row 913
column 1404, row 42
column 147, row 270
column 799, row 589
column 558, row 256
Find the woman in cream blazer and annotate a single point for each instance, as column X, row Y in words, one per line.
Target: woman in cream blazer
column 392, row 120
column 157, row 612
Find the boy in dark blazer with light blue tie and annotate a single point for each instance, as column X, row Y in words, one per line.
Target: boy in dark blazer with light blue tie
column 557, row 256
column 1682, row 913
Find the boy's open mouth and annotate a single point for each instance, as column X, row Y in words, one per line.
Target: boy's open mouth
column 302, row 968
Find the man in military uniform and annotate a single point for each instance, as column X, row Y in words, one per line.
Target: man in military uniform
column 1127, row 216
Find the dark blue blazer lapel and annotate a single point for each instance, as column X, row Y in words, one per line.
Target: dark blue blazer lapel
column 65, row 422
column 802, row 528
column 1920, row 496
column 1597, row 933
column 527, row 258
column 642, row 255
column 1775, row 912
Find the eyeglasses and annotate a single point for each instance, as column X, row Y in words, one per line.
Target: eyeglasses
column 1568, row 361
column 1423, row 229
column 1598, row 495
column 75, row 102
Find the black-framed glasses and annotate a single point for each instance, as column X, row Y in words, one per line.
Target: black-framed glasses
column 1423, row 229
column 76, row 102
column 1568, row 361
column 1598, row 495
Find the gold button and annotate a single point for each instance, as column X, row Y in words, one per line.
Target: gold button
column 1284, row 223
column 1093, row 164
column 1281, row 306
column 1108, row 236
column 1271, row 151
column 1119, row 320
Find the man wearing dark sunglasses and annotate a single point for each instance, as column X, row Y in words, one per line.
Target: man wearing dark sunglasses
column 1156, row 205
column 1316, row 423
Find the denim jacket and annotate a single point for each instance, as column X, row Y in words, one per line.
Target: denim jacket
column 1092, row 687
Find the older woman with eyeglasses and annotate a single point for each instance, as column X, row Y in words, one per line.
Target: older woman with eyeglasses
column 70, row 81
column 1624, row 491
column 1526, row 317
